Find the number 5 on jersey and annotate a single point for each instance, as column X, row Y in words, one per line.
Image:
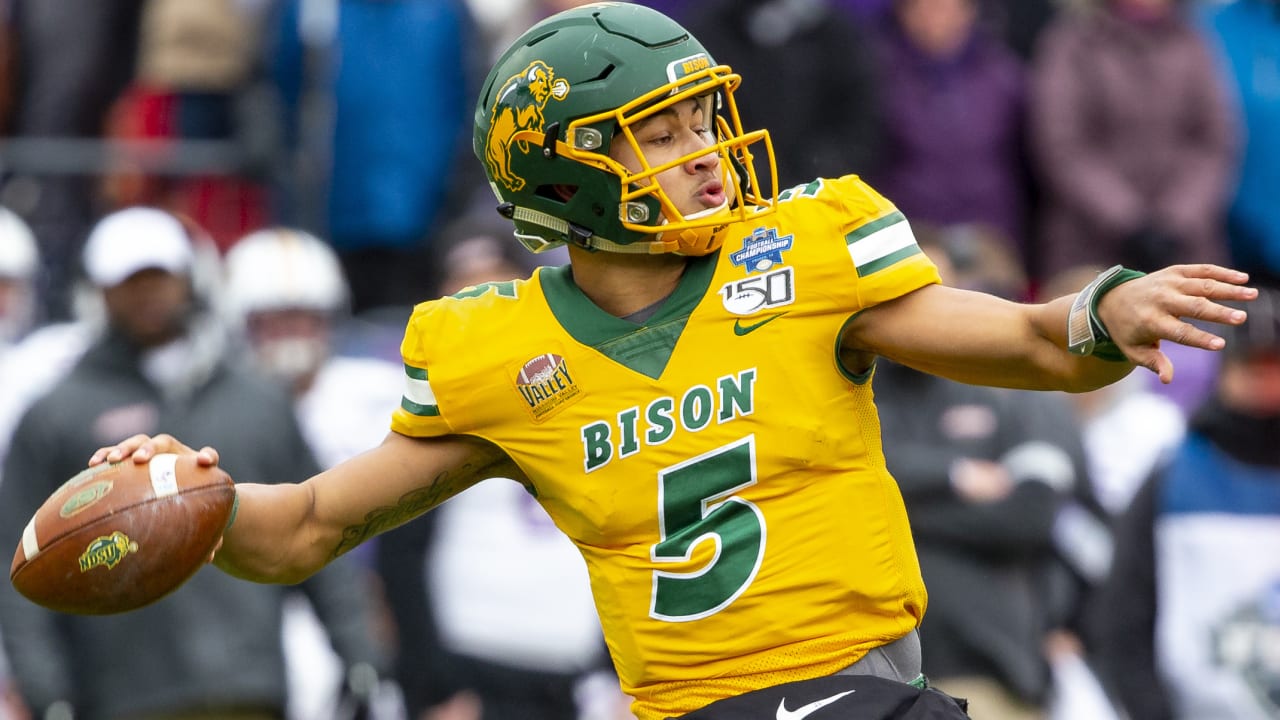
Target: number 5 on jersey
column 696, row 504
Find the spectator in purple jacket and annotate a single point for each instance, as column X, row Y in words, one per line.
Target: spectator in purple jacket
column 953, row 102
column 1133, row 137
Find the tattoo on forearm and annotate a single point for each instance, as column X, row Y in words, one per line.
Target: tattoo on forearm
column 410, row 505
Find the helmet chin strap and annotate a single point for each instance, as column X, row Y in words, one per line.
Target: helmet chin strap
column 686, row 237
column 595, row 242
column 560, row 226
column 694, row 238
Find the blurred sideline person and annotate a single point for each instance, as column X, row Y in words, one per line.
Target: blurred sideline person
column 1188, row 625
column 690, row 398
column 212, row 648
column 375, row 98
column 953, row 100
column 19, row 260
column 70, row 61
column 196, row 80
column 782, row 46
column 468, row 650
column 1132, row 136
column 287, row 295
column 977, row 257
column 1246, row 37
column 1128, row 429
column 985, row 474
column 31, row 358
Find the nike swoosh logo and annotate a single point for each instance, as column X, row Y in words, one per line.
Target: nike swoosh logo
column 739, row 329
column 807, row 710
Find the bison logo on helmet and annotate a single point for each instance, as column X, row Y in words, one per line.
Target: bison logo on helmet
column 519, row 107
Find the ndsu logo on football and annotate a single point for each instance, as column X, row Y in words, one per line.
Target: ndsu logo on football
column 546, row 385
column 519, row 107
column 107, row 550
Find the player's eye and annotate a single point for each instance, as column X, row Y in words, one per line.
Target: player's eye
column 660, row 139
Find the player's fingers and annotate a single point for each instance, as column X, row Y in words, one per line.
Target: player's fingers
column 1215, row 289
column 154, row 446
column 214, row 552
column 142, row 448
column 1211, row 271
column 119, row 451
column 207, row 457
column 1202, row 308
column 1163, row 368
column 1185, row 333
column 1154, row 360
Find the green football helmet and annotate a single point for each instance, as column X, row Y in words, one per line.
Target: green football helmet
column 557, row 98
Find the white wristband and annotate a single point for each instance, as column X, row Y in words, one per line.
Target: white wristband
column 1084, row 331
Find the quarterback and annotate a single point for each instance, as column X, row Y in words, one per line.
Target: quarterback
column 690, row 397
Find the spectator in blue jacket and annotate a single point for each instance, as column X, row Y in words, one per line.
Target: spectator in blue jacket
column 380, row 95
column 1189, row 621
column 1246, row 35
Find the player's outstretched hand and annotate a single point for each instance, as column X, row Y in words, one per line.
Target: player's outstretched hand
column 144, row 447
column 1140, row 313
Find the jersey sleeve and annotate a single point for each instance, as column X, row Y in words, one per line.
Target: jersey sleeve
column 886, row 259
column 419, row 412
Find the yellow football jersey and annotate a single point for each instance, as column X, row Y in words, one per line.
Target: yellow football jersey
column 717, row 467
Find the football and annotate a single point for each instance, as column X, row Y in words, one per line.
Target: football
column 539, row 369
column 119, row 536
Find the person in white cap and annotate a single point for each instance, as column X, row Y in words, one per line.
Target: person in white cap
column 19, row 260
column 287, row 293
column 141, row 259
column 213, row 648
column 18, row 265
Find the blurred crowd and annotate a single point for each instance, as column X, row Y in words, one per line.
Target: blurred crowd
column 216, row 216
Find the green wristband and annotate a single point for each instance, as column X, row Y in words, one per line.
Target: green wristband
column 1086, row 335
column 235, row 508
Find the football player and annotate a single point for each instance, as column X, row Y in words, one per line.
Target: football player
column 689, row 398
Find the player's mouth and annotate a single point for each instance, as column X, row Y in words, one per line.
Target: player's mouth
column 711, row 194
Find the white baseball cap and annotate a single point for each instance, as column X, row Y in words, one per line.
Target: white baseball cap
column 18, row 254
column 135, row 239
column 282, row 268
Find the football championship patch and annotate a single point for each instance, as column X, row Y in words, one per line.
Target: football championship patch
column 762, row 250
